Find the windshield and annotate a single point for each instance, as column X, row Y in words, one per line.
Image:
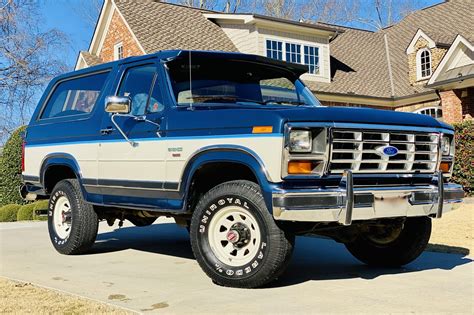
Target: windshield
column 236, row 81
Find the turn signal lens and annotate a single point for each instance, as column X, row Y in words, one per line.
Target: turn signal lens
column 262, row 129
column 445, row 167
column 300, row 167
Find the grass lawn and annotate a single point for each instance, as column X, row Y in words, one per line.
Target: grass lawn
column 20, row 298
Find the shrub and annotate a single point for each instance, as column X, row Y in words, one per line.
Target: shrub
column 25, row 213
column 8, row 213
column 40, row 205
column 463, row 172
column 10, row 170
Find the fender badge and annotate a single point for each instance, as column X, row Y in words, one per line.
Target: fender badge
column 387, row 150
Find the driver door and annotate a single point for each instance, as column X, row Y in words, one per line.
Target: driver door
column 134, row 173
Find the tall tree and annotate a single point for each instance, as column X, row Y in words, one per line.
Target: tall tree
column 29, row 57
column 88, row 10
column 285, row 9
column 378, row 14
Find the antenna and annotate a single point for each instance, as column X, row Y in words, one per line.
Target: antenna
column 190, row 83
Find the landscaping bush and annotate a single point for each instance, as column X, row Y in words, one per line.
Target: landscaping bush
column 25, row 213
column 8, row 213
column 40, row 205
column 463, row 172
column 10, row 170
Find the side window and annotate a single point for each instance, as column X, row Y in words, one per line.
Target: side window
column 156, row 101
column 137, row 84
column 76, row 96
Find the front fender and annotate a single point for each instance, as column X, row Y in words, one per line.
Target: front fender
column 233, row 154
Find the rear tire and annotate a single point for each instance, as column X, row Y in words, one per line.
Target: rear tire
column 374, row 249
column 236, row 240
column 72, row 223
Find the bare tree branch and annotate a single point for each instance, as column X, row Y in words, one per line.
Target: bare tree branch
column 29, row 58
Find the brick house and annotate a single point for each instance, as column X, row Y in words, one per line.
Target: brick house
column 423, row 64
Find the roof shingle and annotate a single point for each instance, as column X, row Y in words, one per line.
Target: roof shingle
column 161, row 26
column 359, row 62
column 90, row 59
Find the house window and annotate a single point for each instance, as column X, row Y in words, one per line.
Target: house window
column 118, row 51
column 275, row 49
column 311, row 59
column 423, row 64
column 431, row 111
column 293, row 53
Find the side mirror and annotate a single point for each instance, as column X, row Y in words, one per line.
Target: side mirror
column 118, row 104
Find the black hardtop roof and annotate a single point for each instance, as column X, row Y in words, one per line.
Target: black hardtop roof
column 168, row 55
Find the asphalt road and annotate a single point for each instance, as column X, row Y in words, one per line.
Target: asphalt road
column 152, row 269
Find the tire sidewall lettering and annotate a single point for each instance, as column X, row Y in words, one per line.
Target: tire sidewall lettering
column 52, row 203
column 203, row 238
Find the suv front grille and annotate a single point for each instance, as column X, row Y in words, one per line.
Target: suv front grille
column 361, row 151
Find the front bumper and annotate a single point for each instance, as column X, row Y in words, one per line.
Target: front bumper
column 347, row 203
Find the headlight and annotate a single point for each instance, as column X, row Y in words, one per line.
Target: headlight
column 445, row 145
column 300, row 141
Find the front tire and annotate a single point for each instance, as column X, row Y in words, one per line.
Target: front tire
column 72, row 223
column 377, row 248
column 235, row 239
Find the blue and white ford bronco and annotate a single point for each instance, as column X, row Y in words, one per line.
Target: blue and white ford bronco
column 238, row 150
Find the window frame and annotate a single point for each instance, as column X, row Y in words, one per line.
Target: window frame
column 302, row 44
column 420, row 64
column 128, row 67
column 318, row 66
column 55, row 86
column 436, row 109
column 283, row 50
column 118, row 48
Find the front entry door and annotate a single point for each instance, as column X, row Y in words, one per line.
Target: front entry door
column 133, row 173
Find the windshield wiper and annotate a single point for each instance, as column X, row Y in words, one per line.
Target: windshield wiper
column 284, row 102
column 227, row 98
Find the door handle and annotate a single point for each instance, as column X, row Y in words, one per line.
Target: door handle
column 106, row 131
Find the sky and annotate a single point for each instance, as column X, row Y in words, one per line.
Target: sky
column 67, row 16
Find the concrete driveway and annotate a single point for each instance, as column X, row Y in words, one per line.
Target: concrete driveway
column 152, row 269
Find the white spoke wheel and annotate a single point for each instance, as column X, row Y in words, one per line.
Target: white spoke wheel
column 62, row 217
column 234, row 236
column 72, row 223
column 235, row 239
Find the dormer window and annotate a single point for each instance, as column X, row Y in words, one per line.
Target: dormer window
column 423, row 64
column 275, row 49
column 296, row 53
column 118, row 51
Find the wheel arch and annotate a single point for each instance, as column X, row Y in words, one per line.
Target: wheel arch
column 236, row 156
column 53, row 163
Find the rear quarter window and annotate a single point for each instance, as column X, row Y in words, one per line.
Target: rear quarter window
column 75, row 96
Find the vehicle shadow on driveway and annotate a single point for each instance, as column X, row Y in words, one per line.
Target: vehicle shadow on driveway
column 313, row 258
column 324, row 259
column 165, row 239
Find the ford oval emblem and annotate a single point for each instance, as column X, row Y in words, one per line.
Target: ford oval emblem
column 388, row 150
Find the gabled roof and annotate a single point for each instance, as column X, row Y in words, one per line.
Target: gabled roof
column 359, row 68
column 457, row 65
column 91, row 60
column 160, row 26
column 273, row 22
